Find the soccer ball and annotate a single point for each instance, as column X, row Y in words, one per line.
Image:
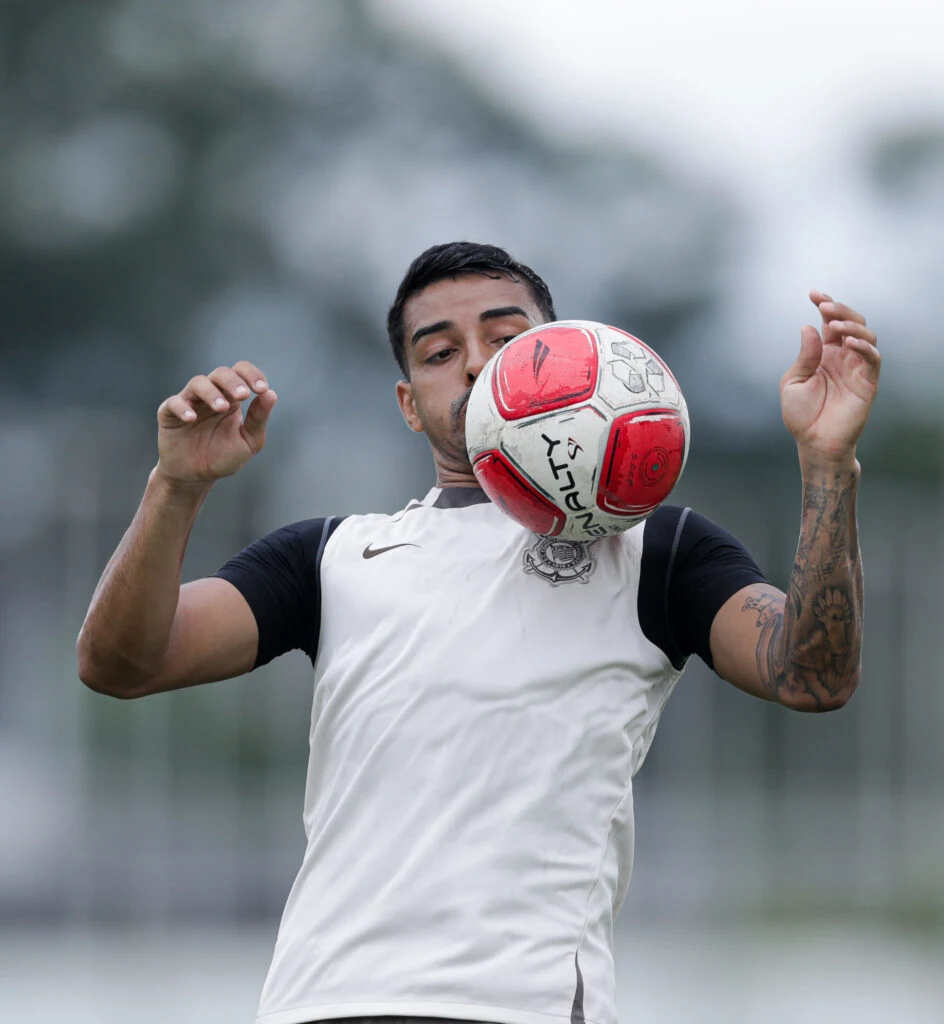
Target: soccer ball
column 577, row 430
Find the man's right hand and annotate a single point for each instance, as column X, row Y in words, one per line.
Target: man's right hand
column 202, row 434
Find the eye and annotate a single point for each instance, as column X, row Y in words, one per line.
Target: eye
column 441, row 356
column 506, row 339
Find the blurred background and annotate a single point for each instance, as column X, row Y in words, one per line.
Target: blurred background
column 185, row 183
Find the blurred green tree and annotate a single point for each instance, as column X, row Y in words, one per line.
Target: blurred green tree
column 164, row 161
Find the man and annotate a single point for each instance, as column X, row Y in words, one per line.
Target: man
column 475, row 730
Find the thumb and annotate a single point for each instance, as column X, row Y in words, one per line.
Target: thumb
column 257, row 416
column 811, row 353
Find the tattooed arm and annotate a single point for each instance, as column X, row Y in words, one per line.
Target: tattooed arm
column 803, row 649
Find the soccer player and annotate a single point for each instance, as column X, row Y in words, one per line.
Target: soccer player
column 478, row 715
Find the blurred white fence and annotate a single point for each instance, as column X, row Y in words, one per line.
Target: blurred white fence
column 664, row 975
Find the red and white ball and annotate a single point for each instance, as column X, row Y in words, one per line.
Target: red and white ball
column 577, row 430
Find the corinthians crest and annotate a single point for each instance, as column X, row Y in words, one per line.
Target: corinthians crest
column 560, row 561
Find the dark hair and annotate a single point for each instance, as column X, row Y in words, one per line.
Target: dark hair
column 450, row 260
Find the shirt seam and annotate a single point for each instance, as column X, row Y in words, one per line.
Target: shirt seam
column 627, row 789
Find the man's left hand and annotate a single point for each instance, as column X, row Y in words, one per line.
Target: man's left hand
column 826, row 395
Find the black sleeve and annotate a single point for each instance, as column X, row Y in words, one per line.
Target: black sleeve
column 690, row 567
column 280, row 578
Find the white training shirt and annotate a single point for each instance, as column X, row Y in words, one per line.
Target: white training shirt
column 482, row 699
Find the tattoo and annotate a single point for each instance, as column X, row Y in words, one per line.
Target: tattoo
column 809, row 648
column 769, row 607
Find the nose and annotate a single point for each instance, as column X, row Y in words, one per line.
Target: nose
column 477, row 355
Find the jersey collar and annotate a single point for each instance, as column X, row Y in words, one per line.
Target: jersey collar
column 456, row 497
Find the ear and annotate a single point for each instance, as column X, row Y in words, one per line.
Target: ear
column 407, row 405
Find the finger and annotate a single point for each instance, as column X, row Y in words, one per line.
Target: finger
column 252, row 375
column 175, row 409
column 853, row 329
column 809, row 358
column 840, row 311
column 257, row 417
column 230, row 383
column 818, row 297
column 867, row 350
column 204, row 390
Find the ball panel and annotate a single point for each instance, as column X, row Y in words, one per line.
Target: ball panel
column 634, row 375
column 544, row 370
column 645, row 453
column 559, row 454
column 515, row 496
column 483, row 424
column 611, row 331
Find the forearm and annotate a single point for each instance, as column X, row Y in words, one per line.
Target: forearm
column 809, row 654
column 128, row 626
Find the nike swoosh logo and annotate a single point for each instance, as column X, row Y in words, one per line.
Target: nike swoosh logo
column 370, row 552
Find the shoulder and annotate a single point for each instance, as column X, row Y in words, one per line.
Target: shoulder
column 673, row 530
column 680, row 544
column 289, row 556
column 690, row 566
column 661, row 534
column 278, row 575
column 306, row 533
column 301, row 542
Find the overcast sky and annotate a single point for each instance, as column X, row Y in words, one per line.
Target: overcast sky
column 776, row 101
column 740, row 86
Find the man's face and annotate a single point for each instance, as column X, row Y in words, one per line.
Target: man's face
column 451, row 329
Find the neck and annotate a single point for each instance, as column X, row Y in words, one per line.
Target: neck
column 453, row 468
column 454, row 478
column 453, row 471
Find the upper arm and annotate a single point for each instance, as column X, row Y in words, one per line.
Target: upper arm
column 214, row 636
column 717, row 604
column 703, row 569
column 746, row 637
column 263, row 602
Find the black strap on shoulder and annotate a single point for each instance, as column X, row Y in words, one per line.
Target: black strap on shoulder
column 676, row 656
column 326, row 532
column 330, row 524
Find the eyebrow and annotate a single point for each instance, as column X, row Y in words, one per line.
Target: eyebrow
column 440, row 325
column 489, row 314
column 502, row 311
